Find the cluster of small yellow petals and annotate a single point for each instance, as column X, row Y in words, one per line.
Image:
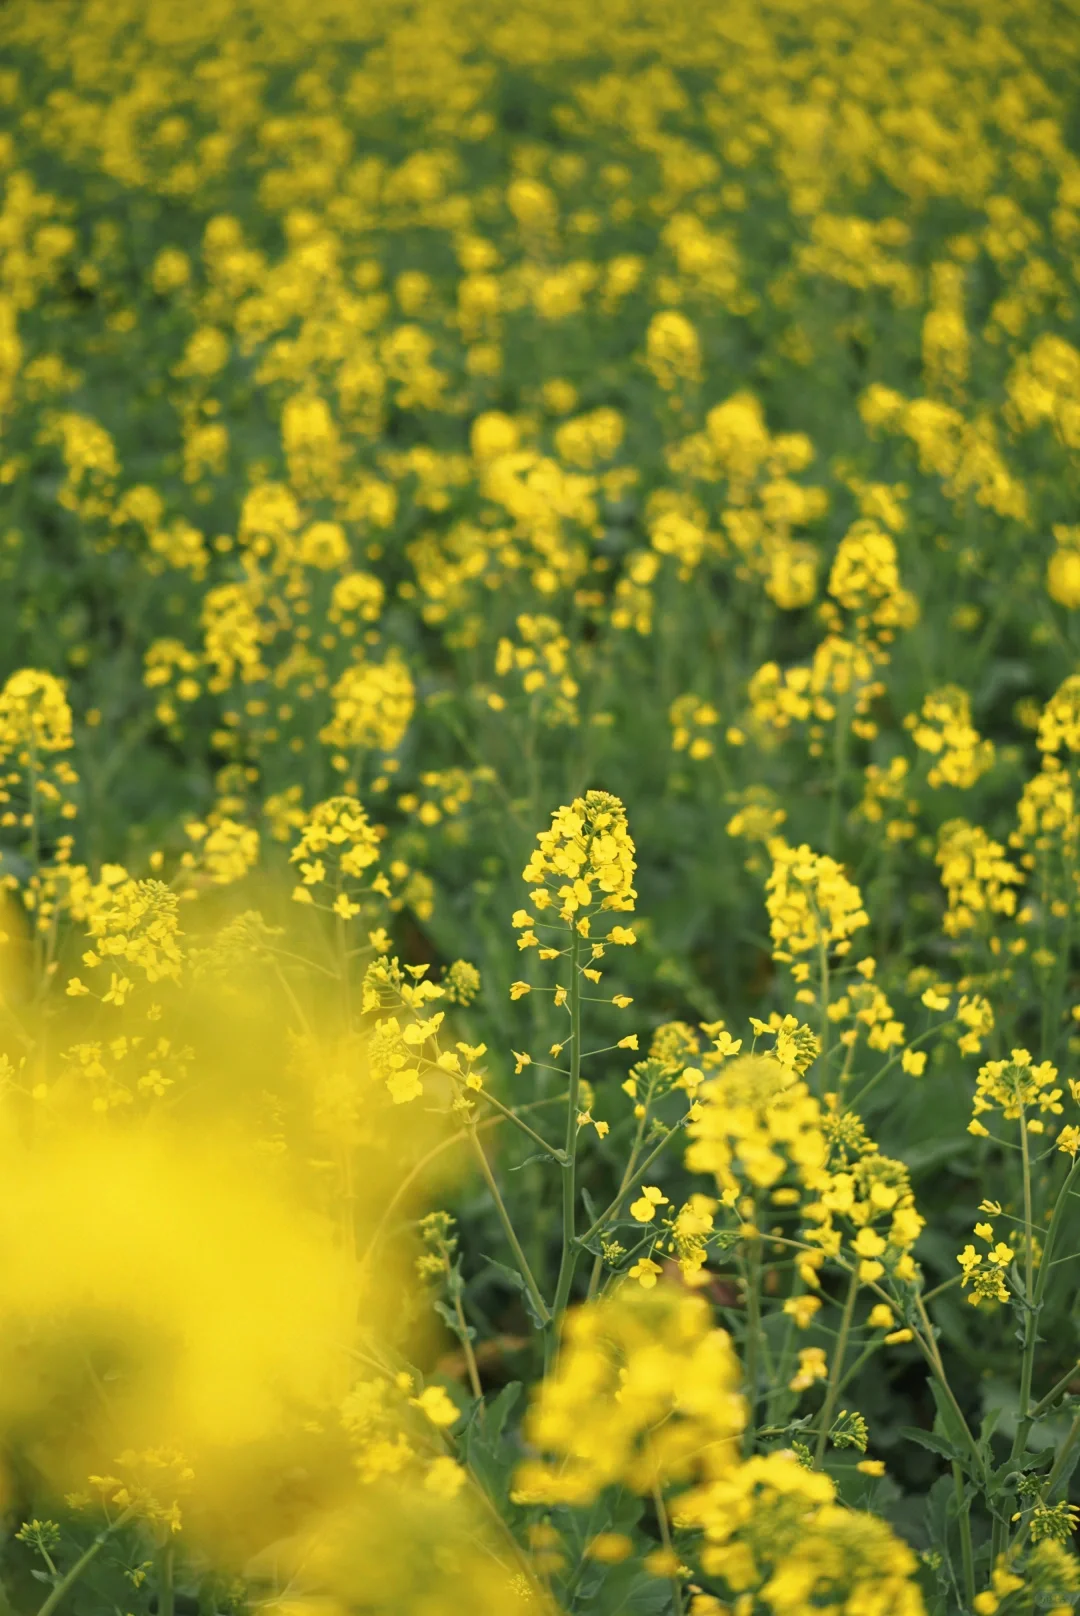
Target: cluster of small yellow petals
column 226, row 850
column 541, row 656
column 775, row 1534
column 132, row 923
column 233, row 633
column 946, row 343
column 943, row 728
column 757, row 1126
column 865, row 581
column 34, row 714
column 673, row 350
column 886, row 800
column 585, row 860
column 764, row 505
column 840, row 668
column 978, row 879
column 870, row 1201
column 1017, row 1086
column 336, row 845
column 867, row 1006
column 646, row 1393
column 985, row 1271
column 1059, row 725
column 691, row 719
column 975, row 1014
column 794, row 1046
column 963, row 454
column 1063, row 568
column 758, row 815
column 373, row 704
column 811, row 902
column 35, row 725
column 1046, row 813
column 403, row 1048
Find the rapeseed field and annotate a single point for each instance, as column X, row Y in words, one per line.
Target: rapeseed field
column 539, row 825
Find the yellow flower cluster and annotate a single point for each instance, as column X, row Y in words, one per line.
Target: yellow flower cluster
column 337, row 845
column 131, row 923
column 691, row 720
column 758, row 1126
column 943, row 728
column 873, row 1198
column 1016, row 1086
column 1059, row 725
column 35, row 724
column 585, row 861
column 979, row 880
column 646, row 1391
column 373, row 703
column 402, row 1052
column 839, row 670
column 542, row 657
column 865, row 581
column 812, row 905
column 775, row 1533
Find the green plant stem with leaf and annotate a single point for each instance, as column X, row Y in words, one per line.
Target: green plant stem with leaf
column 85, row 1560
column 533, row 1290
column 836, row 1368
column 166, row 1571
column 624, row 1184
column 570, row 1246
column 751, row 1351
column 1034, row 1295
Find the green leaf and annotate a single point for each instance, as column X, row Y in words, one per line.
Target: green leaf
column 986, row 1430
column 514, row 1279
column 499, row 1410
column 450, row 1319
column 931, row 1440
column 940, row 1504
column 950, row 1422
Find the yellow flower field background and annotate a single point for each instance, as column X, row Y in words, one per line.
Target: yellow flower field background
column 539, row 843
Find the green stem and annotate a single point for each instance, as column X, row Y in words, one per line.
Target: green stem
column 1055, row 1392
column 1049, row 1484
column 665, row 1538
column 1031, row 1304
column 35, row 858
column 963, row 1515
column 927, row 1344
column 343, row 966
column 1034, row 1301
column 638, row 1173
column 840, row 744
column 753, row 1338
column 570, row 1246
column 836, row 1369
column 856, row 1364
column 166, row 1587
column 508, row 1229
column 823, row 967
column 416, row 1171
column 467, row 1346
column 512, row 1116
column 84, row 1560
column 946, row 1285
column 628, row 1173
column 872, row 1082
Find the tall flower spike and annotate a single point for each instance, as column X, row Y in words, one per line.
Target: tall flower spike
column 586, row 859
column 810, row 902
